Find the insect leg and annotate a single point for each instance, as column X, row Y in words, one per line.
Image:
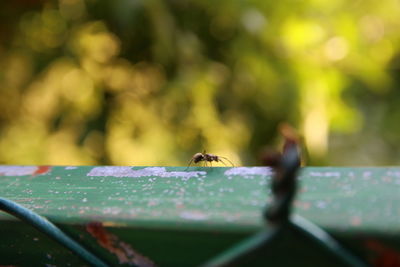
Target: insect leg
column 190, row 162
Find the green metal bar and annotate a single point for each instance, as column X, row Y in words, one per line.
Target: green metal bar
column 203, row 210
column 313, row 233
column 278, row 215
column 45, row 226
column 245, row 249
column 259, row 243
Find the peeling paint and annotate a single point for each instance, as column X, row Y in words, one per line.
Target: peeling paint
column 244, row 171
column 324, row 174
column 112, row 210
column 393, row 173
column 42, row 170
column 194, row 215
column 124, row 251
column 18, row 170
column 71, row 167
column 145, row 172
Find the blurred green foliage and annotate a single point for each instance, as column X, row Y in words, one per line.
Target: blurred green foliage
column 152, row 82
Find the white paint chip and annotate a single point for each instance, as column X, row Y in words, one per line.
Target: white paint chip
column 246, row 171
column 193, row 215
column 145, row 172
column 71, row 168
column 324, row 174
column 17, row 170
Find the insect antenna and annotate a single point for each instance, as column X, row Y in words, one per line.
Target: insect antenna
column 226, row 160
column 220, row 160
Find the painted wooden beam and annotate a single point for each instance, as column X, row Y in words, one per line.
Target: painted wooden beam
column 155, row 212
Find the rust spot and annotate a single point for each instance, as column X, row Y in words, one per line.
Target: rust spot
column 124, row 252
column 384, row 256
column 42, row 170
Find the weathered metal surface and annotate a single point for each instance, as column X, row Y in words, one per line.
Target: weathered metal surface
column 125, row 211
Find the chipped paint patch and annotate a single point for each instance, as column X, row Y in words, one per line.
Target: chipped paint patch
column 112, row 210
column 124, row 251
column 42, row 170
column 193, row 215
column 393, row 173
column 145, row 172
column 245, row 171
column 324, row 174
column 18, row 170
column 71, row 167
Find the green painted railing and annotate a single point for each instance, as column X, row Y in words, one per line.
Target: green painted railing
column 169, row 216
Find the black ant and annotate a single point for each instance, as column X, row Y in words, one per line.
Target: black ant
column 206, row 157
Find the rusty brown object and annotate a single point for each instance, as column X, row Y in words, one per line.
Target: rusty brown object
column 271, row 157
column 290, row 135
column 384, row 256
column 123, row 251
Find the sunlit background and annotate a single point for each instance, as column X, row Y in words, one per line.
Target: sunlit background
column 131, row 82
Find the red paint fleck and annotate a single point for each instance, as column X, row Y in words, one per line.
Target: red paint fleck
column 355, row 221
column 42, row 170
column 384, row 256
column 124, row 252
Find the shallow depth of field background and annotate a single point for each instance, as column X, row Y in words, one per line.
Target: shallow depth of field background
column 124, row 82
